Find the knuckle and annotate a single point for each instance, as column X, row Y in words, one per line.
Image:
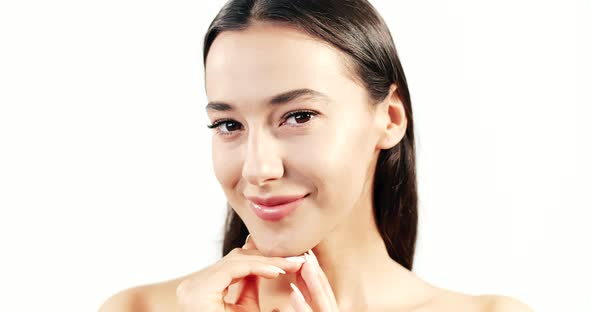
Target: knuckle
column 182, row 290
column 187, row 293
column 235, row 251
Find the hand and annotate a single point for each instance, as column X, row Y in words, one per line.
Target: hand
column 205, row 290
column 318, row 290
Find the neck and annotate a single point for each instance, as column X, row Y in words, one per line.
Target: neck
column 354, row 256
column 354, row 267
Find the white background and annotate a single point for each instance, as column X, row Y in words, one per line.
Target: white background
column 106, row 179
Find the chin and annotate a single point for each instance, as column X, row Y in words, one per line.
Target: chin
column 281, row 252
column 278, row 248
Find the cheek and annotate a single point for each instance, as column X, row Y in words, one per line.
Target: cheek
column 225, row 166
column 335, row 164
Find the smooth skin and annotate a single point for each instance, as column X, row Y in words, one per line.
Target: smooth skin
column 330, row 154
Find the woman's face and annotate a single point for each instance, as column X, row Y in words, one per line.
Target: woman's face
column 263, row 151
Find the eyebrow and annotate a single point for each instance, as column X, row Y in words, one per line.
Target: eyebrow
column 276, row 100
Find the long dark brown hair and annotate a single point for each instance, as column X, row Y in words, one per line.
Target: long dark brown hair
column 355, row 28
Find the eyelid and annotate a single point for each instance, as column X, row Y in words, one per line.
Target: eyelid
column 297, row 112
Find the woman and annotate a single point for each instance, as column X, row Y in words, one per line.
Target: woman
column 313, row 145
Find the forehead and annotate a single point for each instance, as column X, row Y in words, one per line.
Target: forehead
column 265, row 59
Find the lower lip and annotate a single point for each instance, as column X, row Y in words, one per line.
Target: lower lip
column 275, row 213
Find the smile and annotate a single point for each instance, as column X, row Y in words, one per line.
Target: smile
column 276, row 212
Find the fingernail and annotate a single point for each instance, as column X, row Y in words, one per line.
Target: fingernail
column 298, row 259
column 310, row 261
column 313, row 257
column 298, row 292
column 246, row 242
column 276, row 269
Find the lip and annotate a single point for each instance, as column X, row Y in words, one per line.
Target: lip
column 273, row 201
column 282, row 207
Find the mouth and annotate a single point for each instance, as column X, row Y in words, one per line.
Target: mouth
column 276, row 212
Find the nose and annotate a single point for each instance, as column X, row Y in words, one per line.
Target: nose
column 262, row 161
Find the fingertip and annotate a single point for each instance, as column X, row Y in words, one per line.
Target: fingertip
column 297, row 300
column 293, row 302
column 313, row 257
column 248, row 243
column 298, row 306
column 309, row 264
column 297, row 291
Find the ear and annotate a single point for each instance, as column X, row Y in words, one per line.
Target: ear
column 392, row 120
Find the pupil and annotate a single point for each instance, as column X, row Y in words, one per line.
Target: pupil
column 300, row 119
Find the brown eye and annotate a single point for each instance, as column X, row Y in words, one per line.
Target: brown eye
column 300, row 117
column 230, row 126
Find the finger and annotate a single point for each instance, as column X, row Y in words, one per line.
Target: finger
column 297, row 300
column 233, row 271
column 310, row 275
column 233, row 291
column 249, row 244
column 324, row 280
column 249, row 293
column 251, row 248
column 300, row 283
column 289, row 264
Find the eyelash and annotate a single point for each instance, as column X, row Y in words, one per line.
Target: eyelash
column 220, row 122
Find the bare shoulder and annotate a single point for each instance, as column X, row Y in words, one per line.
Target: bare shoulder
column 128, row 300
column 154, row 297
column 499, row 303
column 449, row 300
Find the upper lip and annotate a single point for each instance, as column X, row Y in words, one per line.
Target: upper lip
column 275, row 200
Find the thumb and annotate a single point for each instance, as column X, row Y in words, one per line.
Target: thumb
column 249, row 243
column 249, row 295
